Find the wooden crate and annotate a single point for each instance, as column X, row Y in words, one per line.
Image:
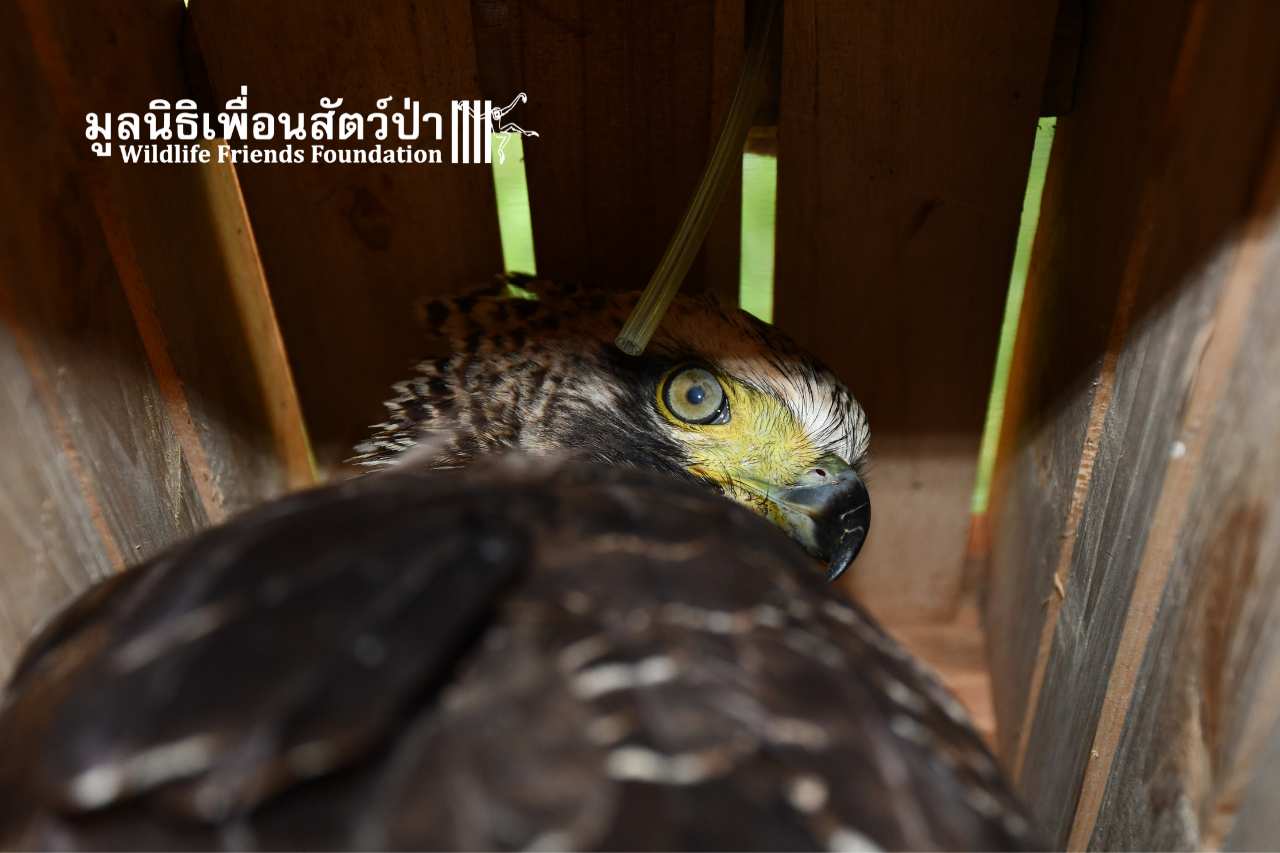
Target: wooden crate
column 165, row 333
column 1132, row 603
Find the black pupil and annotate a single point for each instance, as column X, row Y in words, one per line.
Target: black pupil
column 696, row 395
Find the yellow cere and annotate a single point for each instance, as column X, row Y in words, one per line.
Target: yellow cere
column 763, row 445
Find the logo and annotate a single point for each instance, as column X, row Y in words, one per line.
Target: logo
column 181, row 134
column 491, row 116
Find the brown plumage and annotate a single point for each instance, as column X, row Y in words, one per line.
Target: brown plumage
column 522, row 652
column 629, row 662
column 543, row 376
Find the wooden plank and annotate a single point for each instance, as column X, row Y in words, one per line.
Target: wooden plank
column 1114, row 519
column 159, row 432
column 247, row 283
column 163, row 227
column 723, row 245
column 64, row 309
column 1139, row 206
column 1195, row 688
column 54, row 37
column 627, row 97
column 1088, row 214
column 1064, row 60
column 1257, row 825
column 126, row 436
column 902, row 166
column 68, row 298
column 1093, row 454
column 52, row 531
column 348, row 249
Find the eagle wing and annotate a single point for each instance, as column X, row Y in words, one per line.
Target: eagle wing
column 513, row 655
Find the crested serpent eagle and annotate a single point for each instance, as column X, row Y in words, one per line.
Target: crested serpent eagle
column 719, row 398
column 603, row 638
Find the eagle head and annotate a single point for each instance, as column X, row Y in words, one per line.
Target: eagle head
column 718, row 397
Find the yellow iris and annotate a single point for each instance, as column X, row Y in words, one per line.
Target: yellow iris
column 761, row 445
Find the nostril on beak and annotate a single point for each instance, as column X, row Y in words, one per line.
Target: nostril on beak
column 822, row 471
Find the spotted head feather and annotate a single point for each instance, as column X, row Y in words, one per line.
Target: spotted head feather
column 542, row 375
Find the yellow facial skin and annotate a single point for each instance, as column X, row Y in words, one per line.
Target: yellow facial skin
column 762, row 448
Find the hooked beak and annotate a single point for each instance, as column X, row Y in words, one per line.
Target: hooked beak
column 828, row 512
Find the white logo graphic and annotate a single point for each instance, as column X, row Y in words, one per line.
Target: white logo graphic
column 482, row 121
column 181, row 134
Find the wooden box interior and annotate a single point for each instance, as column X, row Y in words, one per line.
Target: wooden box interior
column 171, row 337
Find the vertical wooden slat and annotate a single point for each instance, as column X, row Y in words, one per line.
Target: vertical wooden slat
column 627, row 98
column 348, row 249
column 1135, row 241
column 1195, row 681
column 724, row 239
column 95, row 477
column 120, row 299
column 1091, row 199
column 53, row 532
column 902, row 166
column 1105, row 383
column 51, row 43
column 556, row 110
column 247, row 282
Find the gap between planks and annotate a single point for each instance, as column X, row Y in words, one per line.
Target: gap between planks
column 1135, row 264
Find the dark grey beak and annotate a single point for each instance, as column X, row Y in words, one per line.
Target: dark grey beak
column 828, row 512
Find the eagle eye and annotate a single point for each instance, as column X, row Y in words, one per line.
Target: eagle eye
column 695, row 396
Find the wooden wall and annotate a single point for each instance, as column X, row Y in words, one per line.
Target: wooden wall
column 629, row 97
column 917, row 199
column 902, row 166
column 1131, row 607
column 349, row 248
column 626, row 98
column 921, row 199
column 1132, row 603
column 135, row 336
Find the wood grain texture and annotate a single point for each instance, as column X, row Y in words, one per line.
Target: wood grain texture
column 1195, row 689
column 347, row 249
column 901, row 172
column 627, row 98
column 1257, row 824
column 52, row 533
column 1101, row 207
column 67, row 318
column 263, row 344
column 60, row 56
column 1137, row 433
column 1088, row 214
column 1155, row 169
column 166, row 229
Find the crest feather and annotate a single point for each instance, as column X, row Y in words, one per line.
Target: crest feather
column 510, row 371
